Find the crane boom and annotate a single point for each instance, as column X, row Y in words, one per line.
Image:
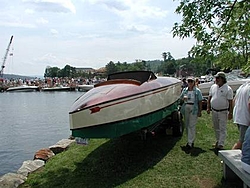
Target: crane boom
column 5, row 57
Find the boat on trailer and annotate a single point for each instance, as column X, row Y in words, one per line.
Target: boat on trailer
column 127, row 102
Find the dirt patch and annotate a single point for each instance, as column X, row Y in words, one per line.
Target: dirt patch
column 205, row 182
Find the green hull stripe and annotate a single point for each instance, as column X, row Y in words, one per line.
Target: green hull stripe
column 124, row 127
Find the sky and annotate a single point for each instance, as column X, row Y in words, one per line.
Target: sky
column 86, row 33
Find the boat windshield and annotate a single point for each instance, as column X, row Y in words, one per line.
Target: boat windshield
column 141, row 76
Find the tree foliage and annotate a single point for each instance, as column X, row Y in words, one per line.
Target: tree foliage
column 67, row 71
column 112, row 67
column 51, row 71
column 168, row 66
column 221, row 29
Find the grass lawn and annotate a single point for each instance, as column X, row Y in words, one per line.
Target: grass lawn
column 130, row 162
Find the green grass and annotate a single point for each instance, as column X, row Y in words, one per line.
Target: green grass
column 130, row 162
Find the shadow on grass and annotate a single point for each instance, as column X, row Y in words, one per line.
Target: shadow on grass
column 122, row 159
column 237, row 183
column 216, row 150
column 112, row 163
column 195, row 151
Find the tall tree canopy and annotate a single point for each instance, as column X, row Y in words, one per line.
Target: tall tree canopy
column 221, row 29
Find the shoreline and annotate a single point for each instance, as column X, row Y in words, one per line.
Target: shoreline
column 41, row 156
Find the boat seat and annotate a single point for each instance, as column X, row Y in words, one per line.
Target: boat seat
column 119, row 81
column 141, row 76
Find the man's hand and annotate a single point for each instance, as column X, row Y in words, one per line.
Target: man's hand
column 208, row 111
column 199, row 114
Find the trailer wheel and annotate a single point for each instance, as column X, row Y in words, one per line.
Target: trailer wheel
column 178, row 126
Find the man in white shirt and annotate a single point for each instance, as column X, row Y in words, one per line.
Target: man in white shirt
column 241, row 112
column 220, row 102
column 245, row 159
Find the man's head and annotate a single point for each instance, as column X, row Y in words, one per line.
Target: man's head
column 220, row 78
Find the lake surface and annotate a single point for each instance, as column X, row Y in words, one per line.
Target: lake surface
column 30, row 121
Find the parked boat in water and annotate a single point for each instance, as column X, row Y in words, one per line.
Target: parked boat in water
column 126, row 102
column 85, row 87
column 23, row 88
column 57, row 88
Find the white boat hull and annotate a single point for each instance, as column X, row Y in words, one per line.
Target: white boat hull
column 234, row 84
column 85, row 88
column 23, row 88
column 126, row 108
column 60, row 88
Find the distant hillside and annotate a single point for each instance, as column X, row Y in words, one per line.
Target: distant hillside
column 14, row 76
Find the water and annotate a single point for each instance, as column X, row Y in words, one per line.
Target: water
column 30, row 121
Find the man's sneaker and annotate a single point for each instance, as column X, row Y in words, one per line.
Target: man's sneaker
column 188, row 147
column 215, row 145
column 219, row 147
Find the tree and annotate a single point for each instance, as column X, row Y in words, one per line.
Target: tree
column 168, row 66
column 167, row 56
column 51, row 72
column 220, row 27
column 111, row 68
column 139, row 65
column 67, row 71
column 164, row 55
column 171, row 68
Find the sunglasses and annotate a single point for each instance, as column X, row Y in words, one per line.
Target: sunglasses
column 190, row 81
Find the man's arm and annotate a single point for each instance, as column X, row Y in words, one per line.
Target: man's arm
column 230, row 109
column 209, row 104
column 249, row 104
column 200, row 108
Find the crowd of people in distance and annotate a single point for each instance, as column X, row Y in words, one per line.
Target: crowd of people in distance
column 48, row 82
column 223, row 106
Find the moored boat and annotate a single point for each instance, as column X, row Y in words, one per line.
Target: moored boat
column 23, row 88
column 85, row 87
column 57, row 88
column 126, row 102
